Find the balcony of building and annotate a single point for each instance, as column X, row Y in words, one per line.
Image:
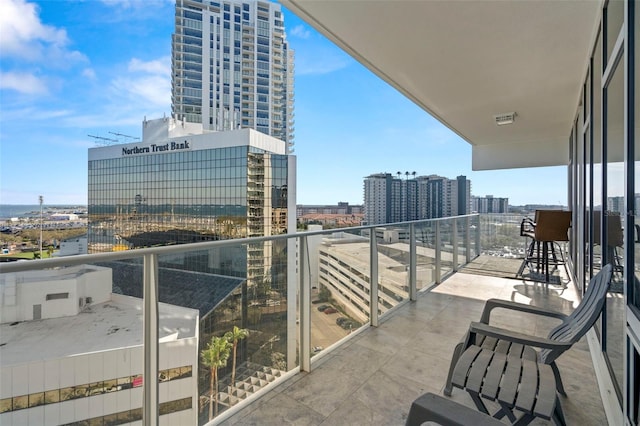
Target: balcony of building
column 299, row 364
column 373, row 376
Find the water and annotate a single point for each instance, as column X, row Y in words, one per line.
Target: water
column 29, row 210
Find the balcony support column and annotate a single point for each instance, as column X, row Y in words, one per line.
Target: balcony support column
column 373, row 279
column 150, row 315
column 305, row 307
column 454, row 241
column 438, row 254
column 413, row 267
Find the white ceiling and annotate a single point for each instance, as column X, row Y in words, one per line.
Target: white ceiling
column 466, row 61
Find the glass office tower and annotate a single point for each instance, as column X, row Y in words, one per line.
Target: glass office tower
column 181, row 185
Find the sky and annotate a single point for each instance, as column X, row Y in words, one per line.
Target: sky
column 70, row 69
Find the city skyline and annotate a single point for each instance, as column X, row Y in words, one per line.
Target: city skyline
column 57, row 88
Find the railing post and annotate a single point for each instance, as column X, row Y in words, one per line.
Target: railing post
column 373, row 279
column 413, row 261
column 305, row 307
column 467, row 239
column 454, row 241
column 438, row 253
column 478, row 231
column 150, row 411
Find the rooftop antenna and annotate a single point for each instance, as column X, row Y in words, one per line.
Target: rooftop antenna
column 103, row 141
column 125, row 136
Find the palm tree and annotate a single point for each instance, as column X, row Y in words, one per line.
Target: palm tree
column 233, row 337
column 414, row 174
column 215, row 356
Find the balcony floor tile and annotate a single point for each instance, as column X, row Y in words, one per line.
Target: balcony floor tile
column 373, row 378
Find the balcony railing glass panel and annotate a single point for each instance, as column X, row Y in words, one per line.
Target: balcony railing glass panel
column 188, row 297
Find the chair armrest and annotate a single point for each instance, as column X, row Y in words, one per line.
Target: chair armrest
column 491, row 304
column 515, row 337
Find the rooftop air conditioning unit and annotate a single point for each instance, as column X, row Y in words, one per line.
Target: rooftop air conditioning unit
column 88, row 300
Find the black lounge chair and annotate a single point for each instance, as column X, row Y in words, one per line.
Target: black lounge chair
column 561, row 338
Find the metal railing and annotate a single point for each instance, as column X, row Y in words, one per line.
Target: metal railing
column 361, row 273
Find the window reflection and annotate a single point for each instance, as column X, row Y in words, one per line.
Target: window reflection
column 614, row 223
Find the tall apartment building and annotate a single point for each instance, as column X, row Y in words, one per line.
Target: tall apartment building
column 232, row 67
column 389, row 199
column 489, row 204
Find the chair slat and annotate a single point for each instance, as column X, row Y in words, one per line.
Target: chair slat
column 546, row 400
column 461, row 370
column 478, row 370
column 493, row 376
column 510, row 380
column 528, row 388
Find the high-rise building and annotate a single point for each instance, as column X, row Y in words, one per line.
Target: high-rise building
column 232, row 67
column 489, row 204
column 182, row 184
column 389, row 199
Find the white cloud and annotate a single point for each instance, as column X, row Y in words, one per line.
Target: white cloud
column 300, row 31
column 321, row 61
column 132, row 4
column 154, row 90
column 25, row 83
column 145, row 89
column 160, row 66
column 23, row 35
column 89, row 73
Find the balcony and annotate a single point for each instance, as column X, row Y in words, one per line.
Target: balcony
column 298, row 363
column 373, row 376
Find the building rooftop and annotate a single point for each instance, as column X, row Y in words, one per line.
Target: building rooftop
column 100, row 327
column 195, row 290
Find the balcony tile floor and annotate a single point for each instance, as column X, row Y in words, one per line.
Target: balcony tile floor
column 373, row 378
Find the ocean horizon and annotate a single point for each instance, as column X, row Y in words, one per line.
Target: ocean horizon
column 27, row 210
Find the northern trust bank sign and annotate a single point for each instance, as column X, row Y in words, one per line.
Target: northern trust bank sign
column 153, row 148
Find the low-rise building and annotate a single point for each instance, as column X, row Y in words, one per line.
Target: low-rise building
column 71, row 351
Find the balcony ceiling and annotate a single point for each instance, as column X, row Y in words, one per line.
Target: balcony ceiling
column 465, row 62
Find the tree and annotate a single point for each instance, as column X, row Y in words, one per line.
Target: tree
column 233, row 337
column 215, row 356
column 324, row 294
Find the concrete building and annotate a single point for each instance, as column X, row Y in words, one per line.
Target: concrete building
column 343, row 268
column 95, row 376
column 232, row 67
column 73, row 246
column 389, row 199
column 489, row 204
column 342, row 208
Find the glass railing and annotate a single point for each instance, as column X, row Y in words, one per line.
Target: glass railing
column 500, row 235
column 191, row 332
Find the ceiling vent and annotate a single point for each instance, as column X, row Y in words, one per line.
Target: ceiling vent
column 506, row 118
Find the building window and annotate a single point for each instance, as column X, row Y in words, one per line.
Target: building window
column 55, row 296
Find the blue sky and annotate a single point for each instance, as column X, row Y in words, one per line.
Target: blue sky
column 69, row 69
